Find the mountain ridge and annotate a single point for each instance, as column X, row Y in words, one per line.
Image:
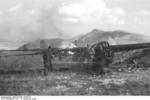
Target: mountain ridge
column 113, row 37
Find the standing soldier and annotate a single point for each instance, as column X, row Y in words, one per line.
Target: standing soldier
column 89, row 53
column 108, row 53
column 100, row 57
column 47, row 59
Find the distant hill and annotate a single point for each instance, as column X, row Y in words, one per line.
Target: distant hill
column 36, row 44
column 55, row 43
column 113, row 37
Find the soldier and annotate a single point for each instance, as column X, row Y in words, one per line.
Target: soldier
column 108, row 53
column 89, row 53
column 47, row 57
column 100, row 57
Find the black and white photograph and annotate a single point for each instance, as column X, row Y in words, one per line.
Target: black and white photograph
column 74, row 48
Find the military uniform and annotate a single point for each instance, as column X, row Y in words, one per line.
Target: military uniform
column 47, row 57
column 100, row 59
column 88, row 53
column 108, row 52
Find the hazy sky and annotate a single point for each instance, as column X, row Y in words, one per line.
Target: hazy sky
column 26, row 20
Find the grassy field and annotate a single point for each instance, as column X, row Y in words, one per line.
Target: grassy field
column 76, row 83
column 70, row 79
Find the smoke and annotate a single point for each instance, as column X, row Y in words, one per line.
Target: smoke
column 44, row 19
column 24, row 24
column 47, row 21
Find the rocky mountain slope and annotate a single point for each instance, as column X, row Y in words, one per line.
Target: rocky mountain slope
column 113, row 37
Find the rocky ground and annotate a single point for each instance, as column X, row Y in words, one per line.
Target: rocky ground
column 73, row 83
column 129, row 74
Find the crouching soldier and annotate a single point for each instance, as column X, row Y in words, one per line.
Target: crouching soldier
column 47, row 60
column 100, row 59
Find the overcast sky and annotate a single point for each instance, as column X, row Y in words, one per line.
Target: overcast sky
column 26, row 20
